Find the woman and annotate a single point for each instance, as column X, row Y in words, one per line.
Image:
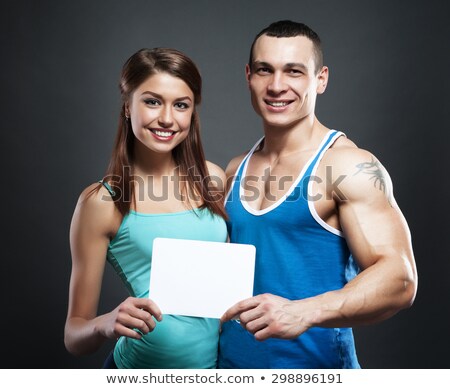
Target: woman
column 158, row 184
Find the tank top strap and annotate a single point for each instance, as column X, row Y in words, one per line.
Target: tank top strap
column 328, row 141
column 240, row 169
column 313, row 163
column 108, row 187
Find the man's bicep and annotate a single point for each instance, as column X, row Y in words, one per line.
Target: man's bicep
column 373, row 231
column 369, row 216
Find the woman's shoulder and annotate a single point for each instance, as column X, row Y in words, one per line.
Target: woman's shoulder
column 216, row 174
column 96, row 195
column 95, row 206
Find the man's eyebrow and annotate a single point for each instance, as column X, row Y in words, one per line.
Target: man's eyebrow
column 261, row 63
column 286, row 66
column 296, row 65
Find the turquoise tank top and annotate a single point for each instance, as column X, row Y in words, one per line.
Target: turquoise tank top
column 177, row 342
column 298, row 256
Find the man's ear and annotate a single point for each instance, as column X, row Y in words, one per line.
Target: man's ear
column 322, row 78
column 248, row 73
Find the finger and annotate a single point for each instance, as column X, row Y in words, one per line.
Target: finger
column 131, row 320
column 125, row 331
column 231, row 314
column 146, row 317
column 263, row 334
column 273, row 330
column 150, row 306
column 256, row 325
column 238, row 308
column 250, row 315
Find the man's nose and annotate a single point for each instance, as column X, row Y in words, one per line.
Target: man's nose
column 277, row 84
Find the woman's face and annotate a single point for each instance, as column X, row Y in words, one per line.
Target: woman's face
column 160, row 110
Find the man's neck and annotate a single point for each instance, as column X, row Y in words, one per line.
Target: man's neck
column 281, row 141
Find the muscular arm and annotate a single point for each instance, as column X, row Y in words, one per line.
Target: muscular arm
column 379, row 240
column 94, row 222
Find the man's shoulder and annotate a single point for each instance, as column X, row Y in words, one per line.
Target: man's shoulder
column 216, row 174
column 343, row 142
column 233, row 165
column 345, row 154
column 359, row 173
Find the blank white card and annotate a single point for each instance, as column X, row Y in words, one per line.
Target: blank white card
column 198, row 278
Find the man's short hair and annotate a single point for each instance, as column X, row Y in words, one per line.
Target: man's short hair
column 289, row 29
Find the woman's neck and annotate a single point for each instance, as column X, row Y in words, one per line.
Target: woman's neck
column 147, row 162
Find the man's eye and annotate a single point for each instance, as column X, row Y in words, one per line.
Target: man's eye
column 263, row 70
column 295, row 71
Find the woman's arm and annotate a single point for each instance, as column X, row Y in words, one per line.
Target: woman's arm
column 94, row 222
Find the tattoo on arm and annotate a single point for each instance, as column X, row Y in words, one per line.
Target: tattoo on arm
column 374, row 169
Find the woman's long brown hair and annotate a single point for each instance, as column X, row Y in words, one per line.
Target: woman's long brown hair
column 188, row 155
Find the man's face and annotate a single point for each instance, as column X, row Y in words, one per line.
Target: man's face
column 283, row 81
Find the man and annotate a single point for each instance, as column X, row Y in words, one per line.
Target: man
column 333, row 248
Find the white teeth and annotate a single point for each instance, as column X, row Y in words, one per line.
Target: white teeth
column 277, row 103
column 163, row 133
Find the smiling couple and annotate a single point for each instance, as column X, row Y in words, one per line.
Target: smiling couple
column 322, row 267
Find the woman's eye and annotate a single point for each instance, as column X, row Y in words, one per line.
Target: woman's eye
column 182, row 105
column 151, row 102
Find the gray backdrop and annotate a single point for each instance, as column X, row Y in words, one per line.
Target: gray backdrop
column 61, row 61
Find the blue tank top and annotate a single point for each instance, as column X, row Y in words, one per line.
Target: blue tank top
column 298, row 255
column 177, row 342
